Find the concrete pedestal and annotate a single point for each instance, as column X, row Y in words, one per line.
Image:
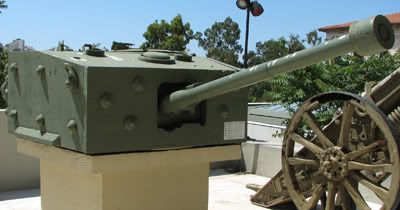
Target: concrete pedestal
column 161, row 180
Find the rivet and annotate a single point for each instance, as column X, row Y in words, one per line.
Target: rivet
column 137, row 85
column 106, row 100
column 13, row 67
column 223, row 111
column 40, row 70
column 67, row 66
column 68, row 84
column 72, row 126
column 13, row 113
column 129, row 123
column 4, row 92
column 40, row 119
column 72, row 80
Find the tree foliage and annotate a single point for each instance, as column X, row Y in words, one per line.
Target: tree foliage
column 313, row 38
column 3, row 60
column 350, row 75
column 347, row 73
column 221, row 42
column 267, row 51
column 294, row 44
column 3, row 72
column 169, row 36
column 3, row 5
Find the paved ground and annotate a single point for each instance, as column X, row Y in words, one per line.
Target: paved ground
column 226, row 192
column 20, row 200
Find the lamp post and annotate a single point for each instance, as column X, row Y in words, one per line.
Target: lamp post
column 255, row 9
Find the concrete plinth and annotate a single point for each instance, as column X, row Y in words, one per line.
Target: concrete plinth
column 162, row 180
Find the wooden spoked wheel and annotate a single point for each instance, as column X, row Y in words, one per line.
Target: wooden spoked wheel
column 346, row 164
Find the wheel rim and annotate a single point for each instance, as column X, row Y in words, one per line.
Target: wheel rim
column 330, row 167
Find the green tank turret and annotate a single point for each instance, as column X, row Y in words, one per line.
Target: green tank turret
column 98, row 102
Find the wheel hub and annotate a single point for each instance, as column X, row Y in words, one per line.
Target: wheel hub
column 334, row 164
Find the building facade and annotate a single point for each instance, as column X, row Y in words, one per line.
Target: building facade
column 18, row 45
column 334, row 31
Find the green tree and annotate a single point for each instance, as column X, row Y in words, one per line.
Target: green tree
column 169, row 36
column 275, row 48
column 3, row 5
column 221, row 42
column 293, row 88
column 294, row 44
column 350, row 75
column 3, row 60
column 313, row 38
column 351, row 72
column 267, row 51
column 3, row 72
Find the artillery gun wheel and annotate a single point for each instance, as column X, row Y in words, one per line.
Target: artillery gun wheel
column 341, row 165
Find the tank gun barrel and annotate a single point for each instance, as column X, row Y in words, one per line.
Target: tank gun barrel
column 367, row 37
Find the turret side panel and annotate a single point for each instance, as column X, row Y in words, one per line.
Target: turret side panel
column 107, row 132
column 39, row 104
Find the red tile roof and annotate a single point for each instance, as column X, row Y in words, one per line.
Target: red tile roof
column 393, row 18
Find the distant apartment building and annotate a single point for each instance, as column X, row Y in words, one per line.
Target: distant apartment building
column 334, row 31
column 18, row 45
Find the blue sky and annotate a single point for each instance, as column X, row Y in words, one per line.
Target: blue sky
column 42, row 23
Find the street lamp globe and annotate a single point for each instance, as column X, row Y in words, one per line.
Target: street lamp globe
column 242, row 4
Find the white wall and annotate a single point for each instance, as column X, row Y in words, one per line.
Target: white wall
column 262, row 157
column 336, row 33
column 264, row 132
column 17, row 171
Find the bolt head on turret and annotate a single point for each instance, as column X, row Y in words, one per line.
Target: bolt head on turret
column 13, row 67
column 137, row 85
column 40, row 70
column 72, row 126
column 130, row 123
column 105, row 100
